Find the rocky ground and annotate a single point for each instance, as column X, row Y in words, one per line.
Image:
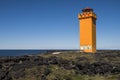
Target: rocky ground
column 63, row 65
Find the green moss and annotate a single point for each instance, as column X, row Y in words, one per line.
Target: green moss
column 60, row 73
column 95, row 77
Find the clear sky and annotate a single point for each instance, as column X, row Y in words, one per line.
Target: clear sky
column 53, row 24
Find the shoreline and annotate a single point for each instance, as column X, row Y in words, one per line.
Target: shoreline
column 65, row 63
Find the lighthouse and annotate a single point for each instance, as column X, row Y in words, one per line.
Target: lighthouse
column 87, row 21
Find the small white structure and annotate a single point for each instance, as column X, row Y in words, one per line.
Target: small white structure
column 56, row 52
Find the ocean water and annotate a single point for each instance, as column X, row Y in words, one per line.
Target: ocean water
column 20, row 52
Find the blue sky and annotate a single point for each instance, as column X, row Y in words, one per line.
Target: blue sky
column 53, row 24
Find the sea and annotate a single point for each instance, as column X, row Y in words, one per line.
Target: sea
column 21, row 52
column 30, row 52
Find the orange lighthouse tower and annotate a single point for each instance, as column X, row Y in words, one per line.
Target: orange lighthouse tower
column 87, row 20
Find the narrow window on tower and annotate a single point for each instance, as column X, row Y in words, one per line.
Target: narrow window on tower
column 94, row 21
